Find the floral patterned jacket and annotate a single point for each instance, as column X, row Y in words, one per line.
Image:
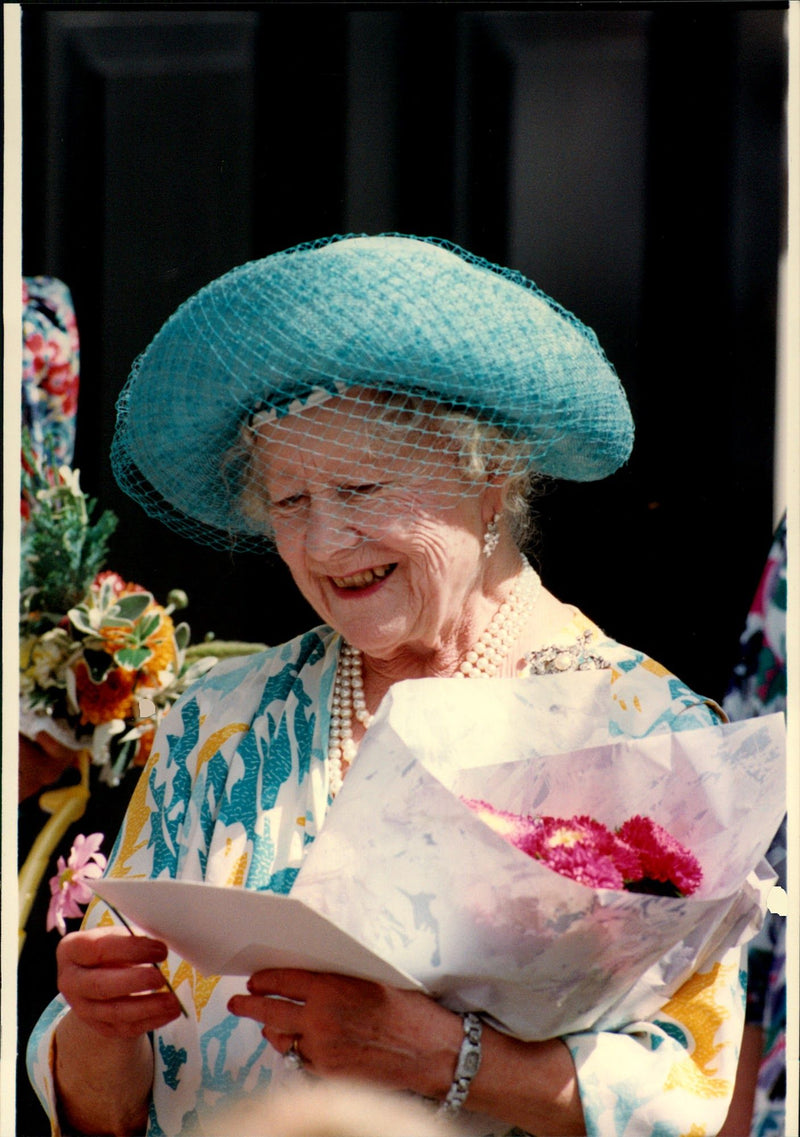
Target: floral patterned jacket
column 235, row 791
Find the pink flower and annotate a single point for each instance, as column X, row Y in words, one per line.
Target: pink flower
column 580, row 848
column 641, row 856
column 663, row 858
column 68, row 888
column 512, row 826
column 119, row 586
column 583, row 849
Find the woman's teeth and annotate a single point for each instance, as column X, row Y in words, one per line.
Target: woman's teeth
column 363, row 579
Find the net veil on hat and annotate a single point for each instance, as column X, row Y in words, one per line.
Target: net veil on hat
column 403, row 317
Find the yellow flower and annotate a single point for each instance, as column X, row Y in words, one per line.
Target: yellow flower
column 27, row 682
column 49, row 656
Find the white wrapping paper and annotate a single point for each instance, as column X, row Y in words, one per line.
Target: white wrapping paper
column 407, row 869
column 32, row 723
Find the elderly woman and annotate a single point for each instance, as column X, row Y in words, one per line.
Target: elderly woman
column 377, row 409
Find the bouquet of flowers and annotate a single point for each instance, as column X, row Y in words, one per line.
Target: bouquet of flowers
column 639, row 856
column 101, row 661
column 503, row 879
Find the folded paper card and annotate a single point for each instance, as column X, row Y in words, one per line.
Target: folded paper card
column 234, row 931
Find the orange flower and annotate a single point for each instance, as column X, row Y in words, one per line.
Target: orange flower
column 102, row 702
column 162, row 644
column 144, row 746
column 114, row 638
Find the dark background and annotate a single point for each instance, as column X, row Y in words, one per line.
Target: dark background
column 629, row 159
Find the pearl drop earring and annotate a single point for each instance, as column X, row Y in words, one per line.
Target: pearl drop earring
column 491, row 538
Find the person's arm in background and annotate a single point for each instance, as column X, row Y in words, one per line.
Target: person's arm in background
column 740, row 1114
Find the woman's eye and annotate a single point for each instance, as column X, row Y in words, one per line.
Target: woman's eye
column 290, row 502
column 361, row 490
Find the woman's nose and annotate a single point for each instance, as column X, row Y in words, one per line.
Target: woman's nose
column 331, row 528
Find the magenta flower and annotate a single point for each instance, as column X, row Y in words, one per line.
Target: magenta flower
column 663, row 859
column 641, row 856
column 583, row 849
column 68, row 888
column 580, row 848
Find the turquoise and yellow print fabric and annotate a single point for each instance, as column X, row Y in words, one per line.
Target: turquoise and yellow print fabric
column 236, row 790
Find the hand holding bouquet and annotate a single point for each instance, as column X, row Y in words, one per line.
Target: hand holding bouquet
column 404, row 865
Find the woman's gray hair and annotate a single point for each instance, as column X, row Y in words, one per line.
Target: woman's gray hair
column 485, row 451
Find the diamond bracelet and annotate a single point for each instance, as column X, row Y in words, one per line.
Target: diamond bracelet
column 469, row 1059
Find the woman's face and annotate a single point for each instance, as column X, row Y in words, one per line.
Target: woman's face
column 381, row 532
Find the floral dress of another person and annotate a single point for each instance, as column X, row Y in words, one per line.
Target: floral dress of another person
column 758, row 687
column 50, row 366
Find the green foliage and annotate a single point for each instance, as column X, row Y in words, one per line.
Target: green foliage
column 70, row 617
column 63, row 548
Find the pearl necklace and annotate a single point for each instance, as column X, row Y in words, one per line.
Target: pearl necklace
column 482, row 661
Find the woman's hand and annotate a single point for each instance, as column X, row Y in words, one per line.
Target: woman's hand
column 363, row 1031
column 351, row 1028
column 108, row 978
column 104, row 1061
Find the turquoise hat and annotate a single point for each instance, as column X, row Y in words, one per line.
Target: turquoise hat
column 389, row 313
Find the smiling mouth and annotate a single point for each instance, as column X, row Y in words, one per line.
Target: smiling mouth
column 363, row 579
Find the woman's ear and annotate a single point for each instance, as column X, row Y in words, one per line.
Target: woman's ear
column 493, row 499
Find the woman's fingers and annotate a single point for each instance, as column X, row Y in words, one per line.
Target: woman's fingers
column 289, row 1003
column 287, row 982
column 108, row 947
column 129, row 1018
column 103, row 983
column 108, row 978
column 276, row 996
column 278, row 1015
column 346, row 1027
